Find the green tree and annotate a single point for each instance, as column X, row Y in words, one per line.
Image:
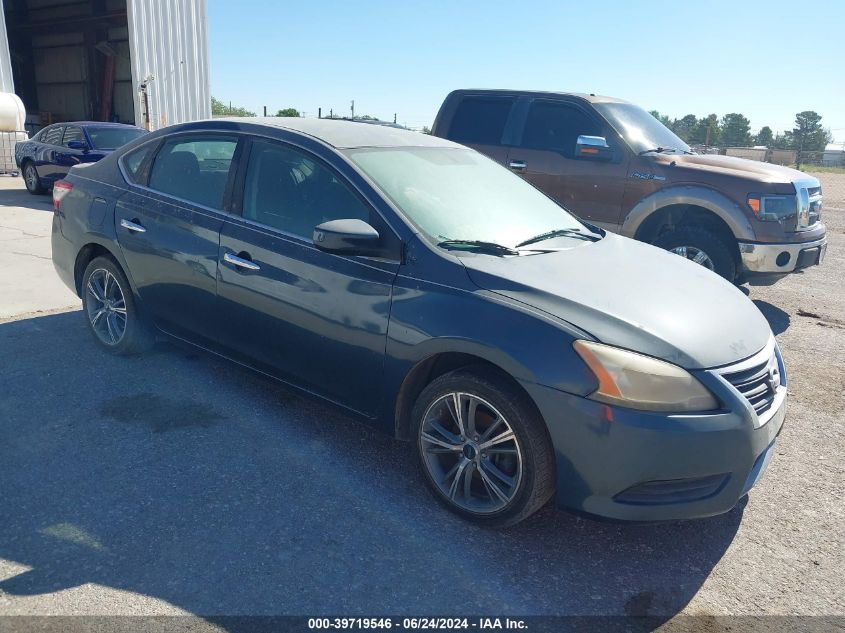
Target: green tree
column 706, row 131
column 660, row 117
column 809, row 137
column 288, row 112
column 221, row 109
column 735, row 130
column 783, row 141
column 764, row 136
column 683, row 127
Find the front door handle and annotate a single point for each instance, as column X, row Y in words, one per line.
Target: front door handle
column 132, row 227
column 517, row 165
column 240, row 262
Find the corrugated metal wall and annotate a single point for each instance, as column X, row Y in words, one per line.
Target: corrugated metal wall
column 169, row 40
column 7, row 82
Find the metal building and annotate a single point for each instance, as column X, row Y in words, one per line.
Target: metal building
column 135, row 61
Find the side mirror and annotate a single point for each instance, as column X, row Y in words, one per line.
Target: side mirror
column 593, row 148
column 352, row 237
column 77, row 145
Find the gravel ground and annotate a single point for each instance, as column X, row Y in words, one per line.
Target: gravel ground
column 179, row 483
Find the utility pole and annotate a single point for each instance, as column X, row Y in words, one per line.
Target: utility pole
column 352, row 108
column 319, row 113
column 265, row 110
column 331, row 113
column 394, row 118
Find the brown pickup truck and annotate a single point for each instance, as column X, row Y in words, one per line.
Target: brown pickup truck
column 616, row 166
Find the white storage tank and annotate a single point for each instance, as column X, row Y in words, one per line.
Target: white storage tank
column 12, row 113
column 12, row 117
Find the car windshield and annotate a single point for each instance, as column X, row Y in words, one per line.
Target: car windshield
column 640, row 129
column 112, row 137
column 459, row 194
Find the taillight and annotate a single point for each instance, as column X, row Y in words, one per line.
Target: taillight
column 60, row 190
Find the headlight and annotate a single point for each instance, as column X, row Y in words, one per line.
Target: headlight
column 773, row 208
column 635, row 381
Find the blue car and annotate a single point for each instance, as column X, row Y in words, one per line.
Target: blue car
column 49, row 155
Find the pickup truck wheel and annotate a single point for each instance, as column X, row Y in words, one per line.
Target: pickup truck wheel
column 483, row 448
column 702, row 247
column 31, row 180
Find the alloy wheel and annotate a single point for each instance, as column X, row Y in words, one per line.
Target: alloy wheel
column 31, row 177
column 471, row 453
column 106, row 306
column 694, row 254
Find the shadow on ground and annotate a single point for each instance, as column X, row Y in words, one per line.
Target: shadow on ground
column 185, row 478
column 777, row 318
column 22, row 198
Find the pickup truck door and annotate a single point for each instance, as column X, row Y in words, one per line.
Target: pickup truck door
column 544, row 155
column 480, row 122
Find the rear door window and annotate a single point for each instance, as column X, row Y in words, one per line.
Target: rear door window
column 53, row 135
column 480, row 120
column 556, row 126
column 194, row 168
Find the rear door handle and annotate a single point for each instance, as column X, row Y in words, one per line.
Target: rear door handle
column 517, row 165
column 132, row 227
column 240, row 262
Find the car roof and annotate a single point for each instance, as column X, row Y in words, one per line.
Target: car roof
column 342, row 134
column 592, row 98
column 95, row 124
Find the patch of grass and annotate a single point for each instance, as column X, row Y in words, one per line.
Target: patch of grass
column 822, row 169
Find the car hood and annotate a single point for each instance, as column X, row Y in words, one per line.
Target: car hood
column 635, row 296
column 737, row 167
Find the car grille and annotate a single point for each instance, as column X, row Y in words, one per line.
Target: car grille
column 758, row 384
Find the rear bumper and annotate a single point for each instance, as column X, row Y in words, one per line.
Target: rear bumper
column 631, row 465
column 781, row 258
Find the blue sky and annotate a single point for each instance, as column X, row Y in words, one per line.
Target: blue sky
column 766, row 59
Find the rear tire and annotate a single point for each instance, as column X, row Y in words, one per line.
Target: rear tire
column 31, row 179
column 701, row 246
column 110, row 310
column 501, row 469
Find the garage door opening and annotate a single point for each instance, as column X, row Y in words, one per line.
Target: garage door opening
column 71, row 60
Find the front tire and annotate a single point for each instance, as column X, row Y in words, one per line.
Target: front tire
column 483, row 448
column 31, row 179
column 110, row 310
column 702, row 247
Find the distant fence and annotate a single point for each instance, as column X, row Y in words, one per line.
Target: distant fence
column 827, row 158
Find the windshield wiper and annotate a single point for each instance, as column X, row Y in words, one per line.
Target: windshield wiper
column 491, row 247
column 659, row 150
column 557, row 233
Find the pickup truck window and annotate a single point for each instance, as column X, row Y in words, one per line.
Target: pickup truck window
column 640, row 130
column 480, row 120
column 556, row 127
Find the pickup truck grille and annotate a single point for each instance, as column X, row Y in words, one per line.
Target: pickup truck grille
column 758, row 384
column 809, row 203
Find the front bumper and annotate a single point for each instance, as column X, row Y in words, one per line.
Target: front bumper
column 781, row 258
column 632, row 465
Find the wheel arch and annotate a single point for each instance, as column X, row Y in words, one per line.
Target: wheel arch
column 679, row 215
column 707, row 203
column 424, row 371
column 85, row 256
